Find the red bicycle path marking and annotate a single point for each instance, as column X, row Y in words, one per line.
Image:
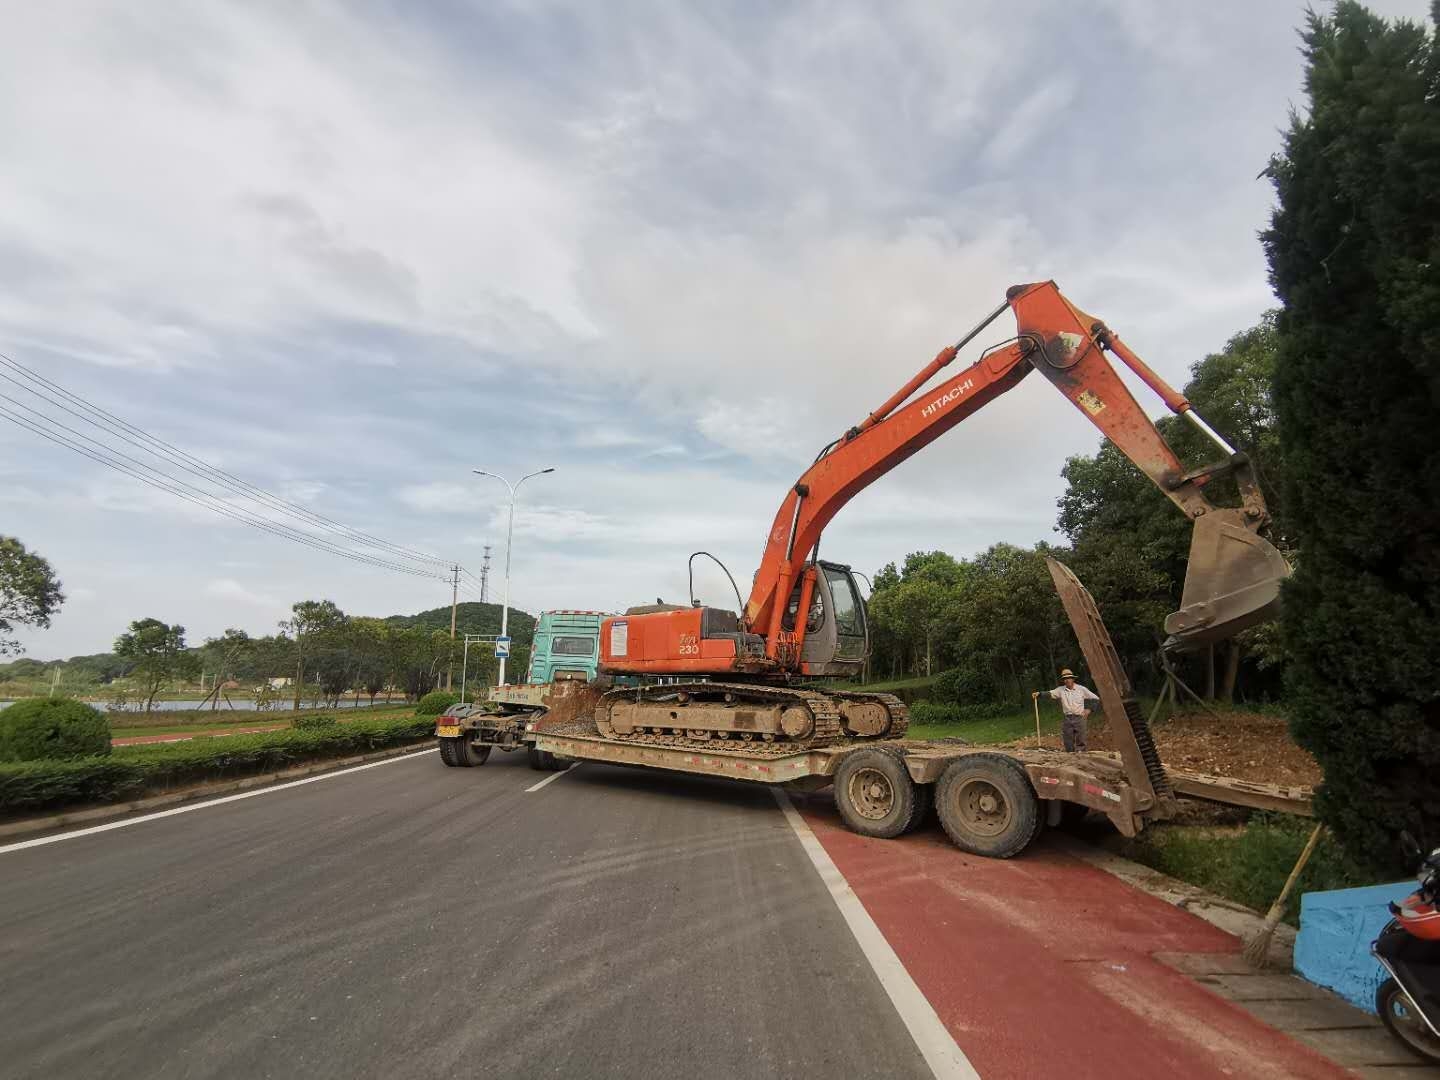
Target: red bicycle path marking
column 1042, row 965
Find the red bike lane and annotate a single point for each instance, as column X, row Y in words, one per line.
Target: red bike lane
column 1043, row 965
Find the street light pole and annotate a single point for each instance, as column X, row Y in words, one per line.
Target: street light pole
column 509, row 536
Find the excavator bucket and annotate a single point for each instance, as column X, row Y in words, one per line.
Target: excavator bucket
column 1232, row 582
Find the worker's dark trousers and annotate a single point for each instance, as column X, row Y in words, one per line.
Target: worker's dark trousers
column 1072, row 731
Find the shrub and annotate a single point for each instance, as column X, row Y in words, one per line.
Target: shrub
column 137, row 770
column 964, row 685
column 50, row 729
column 314, row 722
column 939, row 712
column 436, row 702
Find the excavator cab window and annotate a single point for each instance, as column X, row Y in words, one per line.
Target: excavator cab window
column 849, row 615
column 817, row 611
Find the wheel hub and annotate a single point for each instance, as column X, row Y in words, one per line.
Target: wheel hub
column 872, row 794
column 983, row 808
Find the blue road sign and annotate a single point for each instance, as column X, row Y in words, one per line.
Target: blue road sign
column 502, row 648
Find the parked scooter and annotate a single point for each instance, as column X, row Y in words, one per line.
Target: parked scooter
column 1409, row 948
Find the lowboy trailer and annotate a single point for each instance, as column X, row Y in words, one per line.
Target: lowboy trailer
column 991, row 801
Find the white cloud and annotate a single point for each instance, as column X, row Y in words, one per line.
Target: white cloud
column 230, row 589
column 350, row 253
column 438, row 495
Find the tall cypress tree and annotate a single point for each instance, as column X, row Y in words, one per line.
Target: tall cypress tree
column 1354, row 250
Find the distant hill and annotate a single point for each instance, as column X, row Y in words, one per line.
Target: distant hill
column 471, row 618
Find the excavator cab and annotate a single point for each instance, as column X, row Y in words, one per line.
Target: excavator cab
column 837, row 636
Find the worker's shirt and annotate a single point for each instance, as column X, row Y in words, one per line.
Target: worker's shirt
column 1072, row 698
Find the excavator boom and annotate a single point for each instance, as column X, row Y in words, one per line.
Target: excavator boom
column 1234, row 574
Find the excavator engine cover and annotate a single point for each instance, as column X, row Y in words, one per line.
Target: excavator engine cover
column 1232, row 582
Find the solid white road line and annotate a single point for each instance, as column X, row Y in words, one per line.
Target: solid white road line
column 945, row 1058
column 42, row 841
column 552, row 777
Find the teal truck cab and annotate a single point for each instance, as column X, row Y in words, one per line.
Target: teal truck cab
column 564, row 657
column 566, row 646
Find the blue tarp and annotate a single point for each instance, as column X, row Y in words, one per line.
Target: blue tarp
column 1336, row 929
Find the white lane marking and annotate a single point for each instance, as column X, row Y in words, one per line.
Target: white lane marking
column 935, row 1043
column 552, row 777
column 43, row 840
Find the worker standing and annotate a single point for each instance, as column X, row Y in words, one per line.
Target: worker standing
column 1072, row 697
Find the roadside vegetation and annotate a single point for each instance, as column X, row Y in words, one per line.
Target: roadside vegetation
column 129, row 772
column 320, row 655
column 1246, row 862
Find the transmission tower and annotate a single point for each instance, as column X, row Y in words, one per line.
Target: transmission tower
column 485, row 576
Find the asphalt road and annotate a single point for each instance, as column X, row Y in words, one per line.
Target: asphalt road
column 413, row 920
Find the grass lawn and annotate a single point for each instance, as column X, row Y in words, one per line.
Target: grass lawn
column 204, row 721
column 922, row 682
column 998, row 729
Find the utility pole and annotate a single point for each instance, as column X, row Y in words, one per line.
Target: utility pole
column 454, row 599
column 485, row 576
column 509, row 538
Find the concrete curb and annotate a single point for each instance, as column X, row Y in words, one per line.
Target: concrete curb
column 1225, row 914
column 98, row 814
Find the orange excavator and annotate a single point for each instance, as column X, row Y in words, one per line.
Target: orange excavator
column 743, row 674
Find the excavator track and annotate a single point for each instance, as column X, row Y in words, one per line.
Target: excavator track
column 822, row 706
column 899, row 711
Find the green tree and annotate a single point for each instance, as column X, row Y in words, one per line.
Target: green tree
column 309, row 622
column 369, row 645
column 29, row 592
column 224, row 655
column 1354, row 251
column 159, row 655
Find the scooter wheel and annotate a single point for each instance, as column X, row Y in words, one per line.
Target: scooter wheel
column 1405, row 1022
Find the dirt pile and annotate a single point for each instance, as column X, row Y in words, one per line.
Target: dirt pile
column 1245, row 745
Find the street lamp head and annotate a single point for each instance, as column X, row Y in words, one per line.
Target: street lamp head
column 544, row 471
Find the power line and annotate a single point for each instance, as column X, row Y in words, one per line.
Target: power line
column 214, row 504
column 113, row 425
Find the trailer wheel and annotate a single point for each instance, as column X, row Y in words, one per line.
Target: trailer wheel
column 987, row 805
column 542, row 760
column 461, row 753
column 874, row 793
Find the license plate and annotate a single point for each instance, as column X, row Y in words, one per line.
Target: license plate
column 447, row 732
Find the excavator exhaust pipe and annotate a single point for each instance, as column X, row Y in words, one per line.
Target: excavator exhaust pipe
column 1232, row 582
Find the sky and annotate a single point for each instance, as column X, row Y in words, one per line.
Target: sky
column 350, row 252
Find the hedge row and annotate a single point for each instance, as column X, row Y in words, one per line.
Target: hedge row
column 132, row 771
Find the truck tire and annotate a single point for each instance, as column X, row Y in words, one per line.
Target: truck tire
column 542, row 760
column 461, row 753
column 987, row 805
column 874, row 793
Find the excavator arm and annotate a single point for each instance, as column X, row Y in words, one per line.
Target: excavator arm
column 1234, row 575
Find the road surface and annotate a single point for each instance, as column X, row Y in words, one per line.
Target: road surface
column 406, row 919
column 413, row 920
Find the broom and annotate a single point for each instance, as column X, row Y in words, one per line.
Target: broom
column 1257, row 952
